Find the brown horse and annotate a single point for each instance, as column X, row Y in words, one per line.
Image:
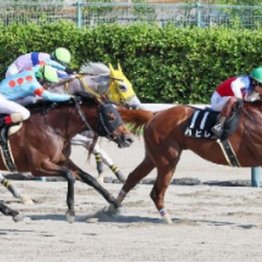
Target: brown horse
column 42, row 145
column 165, row 139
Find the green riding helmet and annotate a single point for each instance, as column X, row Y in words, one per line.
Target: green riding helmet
column 256, row 74
column 47, row 73
column 61, row 55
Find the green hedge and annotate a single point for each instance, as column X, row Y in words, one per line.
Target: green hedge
column 167, row 65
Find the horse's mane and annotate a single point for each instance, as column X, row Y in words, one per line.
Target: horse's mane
column 94, row 68
column 137, row 118
column 44, row 105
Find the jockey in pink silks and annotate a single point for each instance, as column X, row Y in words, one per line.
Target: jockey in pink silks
column 59, row 60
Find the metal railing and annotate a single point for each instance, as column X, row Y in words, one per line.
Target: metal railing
column 85, row 13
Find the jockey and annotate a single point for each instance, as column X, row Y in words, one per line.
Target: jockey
column 59, row 59
column 228, row 93
column 26, row 84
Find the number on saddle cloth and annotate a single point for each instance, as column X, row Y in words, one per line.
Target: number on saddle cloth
column 203, row 120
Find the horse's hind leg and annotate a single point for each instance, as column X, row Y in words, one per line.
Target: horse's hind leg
column 10, row 212
column 158, row 192
column 108, row 161
column 90, row 180
column 6, row 183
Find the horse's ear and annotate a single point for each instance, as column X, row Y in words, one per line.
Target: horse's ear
column 111, row 68
column 119, row 67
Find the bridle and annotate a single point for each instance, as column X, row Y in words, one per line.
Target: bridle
column 106, row 127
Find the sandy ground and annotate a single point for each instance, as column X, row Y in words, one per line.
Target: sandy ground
column 211, row 223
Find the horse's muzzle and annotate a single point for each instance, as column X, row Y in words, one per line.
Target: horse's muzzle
column 123, row 140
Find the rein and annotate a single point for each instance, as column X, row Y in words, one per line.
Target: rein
column 82, row 115
column 88, row 89
column 107, row 127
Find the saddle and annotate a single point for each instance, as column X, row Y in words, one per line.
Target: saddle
column 201, row 122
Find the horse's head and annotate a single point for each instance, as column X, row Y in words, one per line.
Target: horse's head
column 109, row 123
column 120, row 89
column 99, row 78
column 112, row 125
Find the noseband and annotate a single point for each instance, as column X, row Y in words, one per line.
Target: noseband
column 108, row 116
column 108, row 125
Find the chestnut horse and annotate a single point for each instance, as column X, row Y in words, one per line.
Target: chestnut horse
column 42, row 145
column 165, row 139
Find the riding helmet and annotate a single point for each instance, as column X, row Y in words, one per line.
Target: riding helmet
column 256, row 74
column 61, row 55
column 47, row 73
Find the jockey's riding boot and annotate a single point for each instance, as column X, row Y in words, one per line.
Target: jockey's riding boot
column 11, row 119
column 218, row 128
column 5, row 121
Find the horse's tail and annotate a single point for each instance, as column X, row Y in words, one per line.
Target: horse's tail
column 137, row 118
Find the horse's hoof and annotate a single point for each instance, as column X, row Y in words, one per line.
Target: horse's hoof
column 26, row 200
column 167, row 220
column 70, row 216
column 112, row 210
column 18, row 218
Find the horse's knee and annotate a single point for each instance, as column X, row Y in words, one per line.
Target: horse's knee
column 70, row 177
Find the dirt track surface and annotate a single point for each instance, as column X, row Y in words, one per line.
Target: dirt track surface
column 211, row 223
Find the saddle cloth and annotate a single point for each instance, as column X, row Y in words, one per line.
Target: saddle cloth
column 200, row 123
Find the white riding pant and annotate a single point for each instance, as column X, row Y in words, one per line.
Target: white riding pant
column 218, row 101
column 9, row 107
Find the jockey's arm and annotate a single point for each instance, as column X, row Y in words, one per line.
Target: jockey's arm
column 56, row 65
column 49, row 96
column 236, row 87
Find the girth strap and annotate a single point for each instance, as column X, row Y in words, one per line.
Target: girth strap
column 5, row 150
column 228, row 152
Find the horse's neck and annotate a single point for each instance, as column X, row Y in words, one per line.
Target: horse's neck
column 63, row 120
column 70, row 86
column 96, row 83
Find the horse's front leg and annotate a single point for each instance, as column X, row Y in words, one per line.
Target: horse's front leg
column 90, row 180
column 141, row 171
column 70, row 199
column 157, row 194
column 53, row 169
column 10, row 212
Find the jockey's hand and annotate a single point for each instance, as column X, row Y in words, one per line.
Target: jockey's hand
column 69, row 71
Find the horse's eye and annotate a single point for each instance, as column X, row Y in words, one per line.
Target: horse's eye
column 123, row 87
